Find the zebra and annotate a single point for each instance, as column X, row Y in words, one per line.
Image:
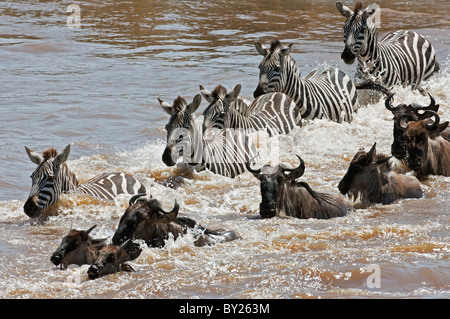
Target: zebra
column 328, row 93
column 274, row 113
column 400, row 58
column 222, row 151
column 52, row 177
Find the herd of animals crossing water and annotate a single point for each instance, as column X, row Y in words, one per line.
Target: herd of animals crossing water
column 221, row 143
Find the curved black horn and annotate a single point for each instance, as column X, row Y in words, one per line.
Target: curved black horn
column 388, row 103
column 90, row 229
column 295, row 172
column 435, row 123
column 432, row 103
column 255, row 172
column 135, row 197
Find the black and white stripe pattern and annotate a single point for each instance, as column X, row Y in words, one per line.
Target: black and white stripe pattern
column 329, row 93
column 222, row 151
column 274, row 113
column 52, row 178
column 400, row 58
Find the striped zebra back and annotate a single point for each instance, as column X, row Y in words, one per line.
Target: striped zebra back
column 110, row 185
column 222, row 151
column 401, row 57
column 275, row 113
column 329, row 93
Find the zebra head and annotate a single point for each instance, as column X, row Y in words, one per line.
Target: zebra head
column 219, row 103
column 275, row 68
column 49, row 180
column 180, row 130
column 356, row 29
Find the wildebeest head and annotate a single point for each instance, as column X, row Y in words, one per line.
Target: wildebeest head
column 355, row 28
column 417, row 138
column 271, row 68
column 180, row 128
column 357, row 176
column 219, row 101
column 404, row 113
column 140, row 214
column 271, row 181
column 74, row 246
column 47, row 180
column 112, row 259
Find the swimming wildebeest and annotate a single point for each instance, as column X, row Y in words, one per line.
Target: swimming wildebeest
column 426, row 155
column 407, row 112
column 146, row 219
column 77, row 248
column 111, row 259
column 282, row 196
column 371, row 176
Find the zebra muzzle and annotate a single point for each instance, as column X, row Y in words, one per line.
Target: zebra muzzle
column 348, row 56
column 31, row 207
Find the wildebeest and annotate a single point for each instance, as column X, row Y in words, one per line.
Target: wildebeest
column 77, row 248
column 282, row 196
column 146, row 219
column 407, row 112
column 111, row 259
column 371, row 176
column 427, row 156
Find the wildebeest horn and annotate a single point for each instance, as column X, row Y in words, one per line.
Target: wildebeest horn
column 433, row 125
column 135, row 197
column 90, row 229
column 388, row 103
column 432, row 104
column 372, row 150
column 255, row 172
column 294, row 172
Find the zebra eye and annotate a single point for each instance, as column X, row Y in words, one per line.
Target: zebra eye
column 179, row 139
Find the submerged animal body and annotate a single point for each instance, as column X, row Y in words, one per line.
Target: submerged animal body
column 372, row 178
column 282, row 196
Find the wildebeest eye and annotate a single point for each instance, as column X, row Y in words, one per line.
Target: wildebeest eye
column 110, row 258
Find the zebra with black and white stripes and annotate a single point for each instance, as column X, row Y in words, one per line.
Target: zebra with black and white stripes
column 274, row 113
column 222, row 151
column 400, row 58
column 52, row 177
column 328, row 93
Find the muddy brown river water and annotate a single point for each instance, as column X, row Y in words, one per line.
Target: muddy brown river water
column 96, row 87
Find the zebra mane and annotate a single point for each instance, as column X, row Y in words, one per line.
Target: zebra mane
column 275, row 45
column 51, row 152
column 179, row 104
column 219, row 92
column 358, row 7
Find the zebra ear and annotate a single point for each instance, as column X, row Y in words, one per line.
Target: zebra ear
column 343, row 10
column 286, row 50
column 233, row 94
column 62, row 157
column 193, row 106
column 206, row 94
column 34, row 157
column 261, row 49
column 369, row 13
column 166, row 106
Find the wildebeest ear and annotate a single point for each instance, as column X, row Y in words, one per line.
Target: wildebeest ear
column 371, row 154
column 34, row 157
column 62, row 157
column 128, row 251
column 383, row 160
column 164, row 217
column 441, row 127
column 343, row 10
